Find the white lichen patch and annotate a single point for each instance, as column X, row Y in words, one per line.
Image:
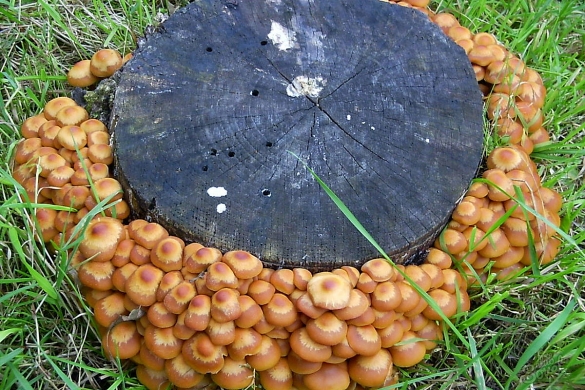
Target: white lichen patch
column 216, row 192
column 306, row 86
column 348, row 117
column 282, row 37
column 221, row 208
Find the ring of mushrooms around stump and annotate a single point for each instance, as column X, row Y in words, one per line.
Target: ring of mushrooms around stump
column 195, row 317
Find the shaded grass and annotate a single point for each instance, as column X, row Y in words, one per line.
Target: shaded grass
column 525, row 333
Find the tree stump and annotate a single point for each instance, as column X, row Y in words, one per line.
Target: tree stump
column 213, row 110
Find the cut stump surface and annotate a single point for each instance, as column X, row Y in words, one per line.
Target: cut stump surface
column 213, row 109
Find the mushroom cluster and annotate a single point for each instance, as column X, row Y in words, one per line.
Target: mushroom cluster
column 195, row 317
column 103, row 63
column 63, row 159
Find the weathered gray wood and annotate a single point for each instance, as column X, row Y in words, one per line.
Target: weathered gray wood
column 372, row 96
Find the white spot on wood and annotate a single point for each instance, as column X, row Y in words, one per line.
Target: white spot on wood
column 221, row 208
column 306, row 86
column 348, row 117
column 282, row 37
column 372, row 128
column 216, row 192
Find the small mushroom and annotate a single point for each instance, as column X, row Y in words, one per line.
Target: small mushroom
column 162, row 342
column 409, row 352
column 122, row 341
column 329, row 291
column 329, row 376
column 235, row 374
column 280, row 311
column 105, row 62
column 327, row 329
column 141, row 286
column 370, row 371
column 102, row 236
column 243, row 264
column 80, row 75
column 181, row 374
column 278, row 377
column 267, row 356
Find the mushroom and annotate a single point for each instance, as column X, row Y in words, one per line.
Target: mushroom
column 122, row 341
column 378, row 269
column 152, row 379
column 53, row 106
column 370, row 371
column 280, row 311
column 278, row 377
column 266, row 357
column 180, row 372
column 198, row 313
column 261, row 291
column 101, row 239
column 247, row 342
column 225, row 306
column 329, row 376
column 219, row 275
column 162, row 342
column 364, row 340
column 80, row 75
column 329, row 291
column 243, row 264
column 197, row 261
column 283, row 281
column 327, row 329
column 180, row 330
column 221, row 333
column 30, row 127
column 251, row 312
column 160, row 316
column 141, row 286
column 202, row 355
column 179, row 297
column 96, row 275
column 308, row 349
column 235, row 374
column 167, row 254
column 357, row 306
column 150, row 360
column 71, row 137
column 105, row 62
column 409, row 352
column 71, row 116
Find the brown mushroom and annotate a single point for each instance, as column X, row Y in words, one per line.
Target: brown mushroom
column 122, row 341
column 329, row 376
column 105, row 62
column 370, row 371
column 80, row 75
column 329, row 291
column 278, row 377
column 235, row 374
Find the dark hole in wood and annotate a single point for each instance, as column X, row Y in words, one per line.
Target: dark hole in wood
column 204, row 168
column 264, row 43
column 255, row 92
column 213, row 152
column 209, row 49
column 269, row 144
column 152, row 204
column 231, row 154
column 266, row 192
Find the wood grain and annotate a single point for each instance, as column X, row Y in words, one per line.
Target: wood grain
column 373, row 97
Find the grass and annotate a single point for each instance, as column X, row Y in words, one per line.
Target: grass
column 528, row 333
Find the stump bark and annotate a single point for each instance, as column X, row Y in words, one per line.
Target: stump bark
column 213, row 110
